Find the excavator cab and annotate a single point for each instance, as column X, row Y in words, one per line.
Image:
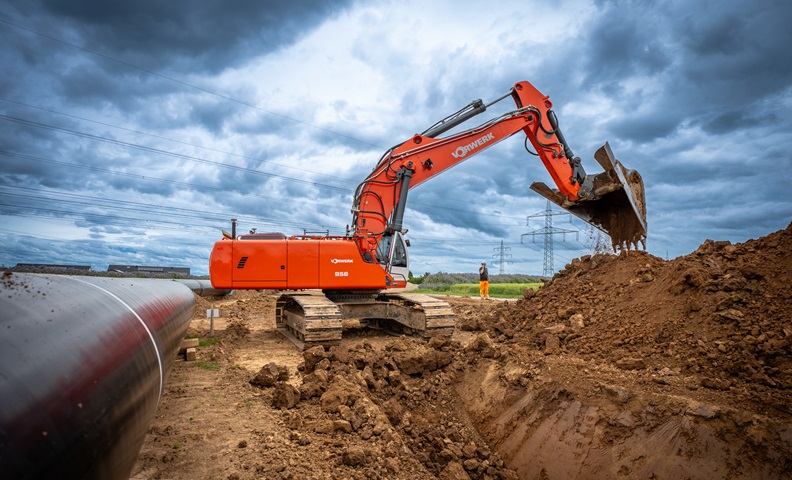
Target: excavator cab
column 394, row 248
column 613, row 201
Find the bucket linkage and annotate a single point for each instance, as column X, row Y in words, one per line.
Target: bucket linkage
column 612, row 201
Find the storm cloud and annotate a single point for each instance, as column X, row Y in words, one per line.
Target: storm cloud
column 132, row 132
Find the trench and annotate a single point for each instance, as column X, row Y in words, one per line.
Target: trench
column 551, row 429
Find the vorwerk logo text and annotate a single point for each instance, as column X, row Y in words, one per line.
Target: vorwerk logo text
column 341, row 260
column 460, row 152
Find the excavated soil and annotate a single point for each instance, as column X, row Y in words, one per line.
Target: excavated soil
column 622, row 366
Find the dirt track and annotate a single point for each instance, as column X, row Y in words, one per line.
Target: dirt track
column 623, row 366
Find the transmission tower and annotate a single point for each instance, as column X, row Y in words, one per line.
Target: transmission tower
column 502, row 257
column 547, row 232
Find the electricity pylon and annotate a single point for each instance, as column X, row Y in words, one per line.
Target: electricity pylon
column 547, row 232
column 502, row 257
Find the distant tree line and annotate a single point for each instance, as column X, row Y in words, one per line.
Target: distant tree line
column 441, row 279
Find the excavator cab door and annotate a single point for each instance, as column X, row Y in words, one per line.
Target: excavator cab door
column 398, row 259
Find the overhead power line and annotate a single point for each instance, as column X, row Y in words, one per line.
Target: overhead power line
column 181, row 142
column 201, row 187
column 164, row 152
column 148, row 178
column 41, row 200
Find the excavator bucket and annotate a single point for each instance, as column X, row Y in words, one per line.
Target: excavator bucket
column 615, row 204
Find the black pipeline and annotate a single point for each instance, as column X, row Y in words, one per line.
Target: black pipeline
column 203, row 288
column 83, row 363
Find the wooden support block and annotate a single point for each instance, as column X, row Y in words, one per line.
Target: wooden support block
column 188, row 343
column 189, row 355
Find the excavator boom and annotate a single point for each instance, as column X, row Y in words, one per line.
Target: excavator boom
column 612, row 201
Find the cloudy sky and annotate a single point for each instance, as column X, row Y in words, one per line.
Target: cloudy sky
column 131, row 132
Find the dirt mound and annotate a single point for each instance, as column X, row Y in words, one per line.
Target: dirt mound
column 391, row 402
column 630, row 365
column 719, row 317
column 622, row 366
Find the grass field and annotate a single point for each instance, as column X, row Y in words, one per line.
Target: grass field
column 496, row 290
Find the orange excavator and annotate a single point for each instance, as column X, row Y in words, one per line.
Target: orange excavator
column 354, row 272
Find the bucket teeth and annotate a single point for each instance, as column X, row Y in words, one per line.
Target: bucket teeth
column 615, row 201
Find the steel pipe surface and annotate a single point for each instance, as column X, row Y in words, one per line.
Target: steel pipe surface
column 203, row 288
column 83, row 363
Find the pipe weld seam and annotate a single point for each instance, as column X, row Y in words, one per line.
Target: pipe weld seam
column 151, row 336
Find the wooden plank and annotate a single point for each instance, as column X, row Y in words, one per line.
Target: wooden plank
column 188, row 343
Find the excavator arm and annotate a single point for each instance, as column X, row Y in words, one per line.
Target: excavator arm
column 611, row 201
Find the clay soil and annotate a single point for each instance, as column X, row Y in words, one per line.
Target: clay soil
column 622, row 366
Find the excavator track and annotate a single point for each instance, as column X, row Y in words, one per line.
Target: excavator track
column 314, row 319
column 427, row 316
column 308, row 319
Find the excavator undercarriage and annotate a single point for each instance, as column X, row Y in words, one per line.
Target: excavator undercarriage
column 314, row 318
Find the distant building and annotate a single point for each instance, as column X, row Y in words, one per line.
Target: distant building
column 141, row 269
column 49, row 266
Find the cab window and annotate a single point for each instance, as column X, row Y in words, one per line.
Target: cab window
column 383, row 249
column 399, row 254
